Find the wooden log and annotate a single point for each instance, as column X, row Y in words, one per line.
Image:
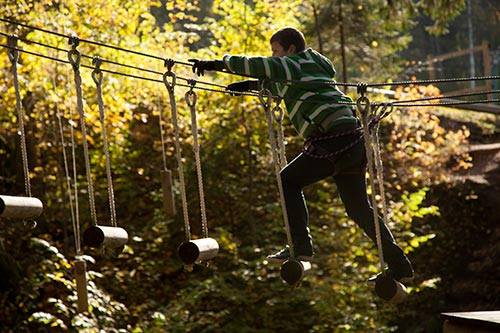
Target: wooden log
column 20, row 207
column 113, row 237
column 293, row 271
column 198, row 250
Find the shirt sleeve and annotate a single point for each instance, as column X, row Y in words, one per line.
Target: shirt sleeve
column 278, row 68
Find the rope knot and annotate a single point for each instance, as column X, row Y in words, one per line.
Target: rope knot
column 191, row 96
column 97, row 73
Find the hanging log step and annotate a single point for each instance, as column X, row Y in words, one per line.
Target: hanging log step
column 20, row 207
column 97, row 236
column 293, row 271
column 198, row 250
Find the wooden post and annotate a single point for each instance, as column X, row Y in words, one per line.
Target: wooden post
column 487, row 65
column 81, row 285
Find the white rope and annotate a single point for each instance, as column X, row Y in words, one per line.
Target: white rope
column 14, row 57
column 266, row 98
column 278, row 113
column 364, row 114
column 97, row 77
column 175, row 123
column 74, row 57
column 73, row 208
column 191, row 98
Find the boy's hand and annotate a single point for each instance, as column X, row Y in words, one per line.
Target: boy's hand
column 245, row 85
column 200, row 66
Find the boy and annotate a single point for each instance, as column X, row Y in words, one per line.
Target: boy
column 320, row 112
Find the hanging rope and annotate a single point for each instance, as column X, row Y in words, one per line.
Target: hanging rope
column 170, row 85
column 191, row 99
column 14, row 58
column 166, row 174
column 266, row 100
column 364, row 112
column 278, row 114
column 97, row 77
column 72, row 203
column 74, row 57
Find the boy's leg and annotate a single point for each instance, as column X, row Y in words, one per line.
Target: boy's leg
column 300, row 172
column 352, row 190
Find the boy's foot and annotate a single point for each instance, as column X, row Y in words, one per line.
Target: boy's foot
column 304, row 253
column 402, row 273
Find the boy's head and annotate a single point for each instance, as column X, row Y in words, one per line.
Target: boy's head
column 287, row 41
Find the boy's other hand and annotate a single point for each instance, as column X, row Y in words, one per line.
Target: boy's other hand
column 200, row 66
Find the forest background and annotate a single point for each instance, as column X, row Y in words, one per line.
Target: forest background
column 445, row 222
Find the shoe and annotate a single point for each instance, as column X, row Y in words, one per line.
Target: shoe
column 304, row 253
column 402, row 273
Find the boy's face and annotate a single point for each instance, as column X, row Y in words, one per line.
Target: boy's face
column 279, row 51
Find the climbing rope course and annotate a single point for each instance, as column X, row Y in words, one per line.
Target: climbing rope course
column 203, row 249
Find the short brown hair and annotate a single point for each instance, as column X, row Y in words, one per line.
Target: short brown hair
column 287, row 36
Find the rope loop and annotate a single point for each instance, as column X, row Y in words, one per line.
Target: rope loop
column 13, row 51
column 191, row 96
column 278, row 111
column 166, row 75
column 386, row 110
column 363, row 104
column 74, row 57
column 265, row 97
column 97, row 73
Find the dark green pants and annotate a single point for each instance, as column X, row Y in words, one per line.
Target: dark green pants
column 349, row 174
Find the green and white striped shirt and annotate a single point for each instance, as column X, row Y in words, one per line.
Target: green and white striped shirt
column 301, row 81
